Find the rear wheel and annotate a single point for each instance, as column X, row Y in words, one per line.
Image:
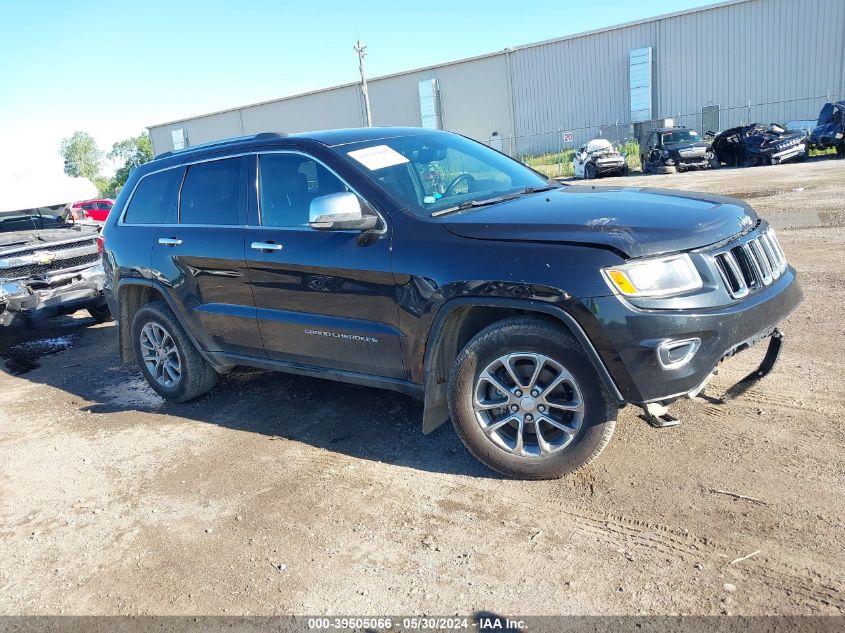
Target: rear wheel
column 168, row 359
column 526, row 401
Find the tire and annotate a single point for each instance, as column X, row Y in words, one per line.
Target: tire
column 590, row 172
column 195, row 376
column 840, row 149
column 527, row 340
column 624, row 171
column 100, row 312
column 713, row 162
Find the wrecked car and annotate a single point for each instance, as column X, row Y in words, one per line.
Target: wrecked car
column 598, row 158
column 675, row 149
column 830, row 129
column 48, row 267
column 756, row 144
column 525, row 311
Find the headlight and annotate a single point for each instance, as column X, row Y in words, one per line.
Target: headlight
column 654, row 277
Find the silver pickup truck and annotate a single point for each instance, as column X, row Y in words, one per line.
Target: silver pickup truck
column 48, row 267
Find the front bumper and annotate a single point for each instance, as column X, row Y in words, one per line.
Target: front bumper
column 787, row 154
column 609, row 166
column 627, row 338
column 25, row 300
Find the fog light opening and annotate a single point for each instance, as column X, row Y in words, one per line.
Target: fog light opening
column 676, row 354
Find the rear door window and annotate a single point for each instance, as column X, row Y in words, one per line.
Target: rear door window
column 154, row 200
column 210, row 193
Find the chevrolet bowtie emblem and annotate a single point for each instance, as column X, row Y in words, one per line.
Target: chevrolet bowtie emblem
column 46, row 258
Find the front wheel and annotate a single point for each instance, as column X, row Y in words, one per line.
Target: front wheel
column 840, row 149
column 590, row 171
column 100, row 312
column 168, row 359
column 526, row 401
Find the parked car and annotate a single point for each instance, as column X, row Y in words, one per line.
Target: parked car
column 755, row 144
column 525, row 310
column 598, row 158
column 675, row 149
column 830, row 128
column 48, row 267
column 96, row 210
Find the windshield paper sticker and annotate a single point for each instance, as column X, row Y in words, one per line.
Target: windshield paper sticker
column 378, row 157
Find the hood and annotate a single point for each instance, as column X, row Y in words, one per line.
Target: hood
column 636, row 222
column 697, row 145
column 39, row 237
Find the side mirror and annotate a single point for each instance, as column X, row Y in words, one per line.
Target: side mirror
column 339, row 212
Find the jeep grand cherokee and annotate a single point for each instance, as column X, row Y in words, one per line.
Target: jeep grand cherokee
column 427, row 263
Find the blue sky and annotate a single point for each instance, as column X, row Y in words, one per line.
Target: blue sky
column 112, row 68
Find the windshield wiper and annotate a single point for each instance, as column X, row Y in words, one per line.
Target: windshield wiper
column 538, row 189
column 472, row 204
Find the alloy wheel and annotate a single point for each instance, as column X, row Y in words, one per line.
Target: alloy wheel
column 528, row 404
column 160, row 355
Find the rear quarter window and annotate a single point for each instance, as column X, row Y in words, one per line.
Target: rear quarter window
column 154, row 200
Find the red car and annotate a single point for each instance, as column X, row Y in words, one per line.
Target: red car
column 97, row 210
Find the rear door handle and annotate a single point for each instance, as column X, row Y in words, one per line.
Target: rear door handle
column 266, row 246
column 169, row 241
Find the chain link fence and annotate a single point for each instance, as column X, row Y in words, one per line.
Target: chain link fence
column 551, row 152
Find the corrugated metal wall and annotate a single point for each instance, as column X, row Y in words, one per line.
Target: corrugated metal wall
column 473, row 98
column 758, row 60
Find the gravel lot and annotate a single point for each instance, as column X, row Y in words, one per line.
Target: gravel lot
column 278, row 494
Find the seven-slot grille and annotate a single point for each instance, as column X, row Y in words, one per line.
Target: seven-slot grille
column 752, row 265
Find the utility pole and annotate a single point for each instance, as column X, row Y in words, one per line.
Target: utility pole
column 362, row 53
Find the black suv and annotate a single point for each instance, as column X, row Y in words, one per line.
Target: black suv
column 675, row 149
column 427, row 263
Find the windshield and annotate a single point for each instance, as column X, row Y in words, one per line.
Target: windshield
column 430, row 173
column 680, row 136
column 29, row 220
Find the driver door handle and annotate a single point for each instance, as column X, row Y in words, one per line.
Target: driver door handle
column 169, row 241
column 266, row 246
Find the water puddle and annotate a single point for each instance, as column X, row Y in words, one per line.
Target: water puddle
column 131, row 393
column 22, row 358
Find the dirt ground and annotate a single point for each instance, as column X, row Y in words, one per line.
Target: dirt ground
column 278, row 494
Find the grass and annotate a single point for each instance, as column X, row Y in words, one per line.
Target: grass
column 559, row 164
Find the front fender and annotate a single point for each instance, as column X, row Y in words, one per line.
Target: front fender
column 436, row 408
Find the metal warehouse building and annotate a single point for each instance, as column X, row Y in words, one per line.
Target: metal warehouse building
column 708, row 68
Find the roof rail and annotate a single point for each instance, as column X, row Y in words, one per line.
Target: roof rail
column 261, row 136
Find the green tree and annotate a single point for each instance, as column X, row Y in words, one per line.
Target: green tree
column 133, row 152
column 82, row 156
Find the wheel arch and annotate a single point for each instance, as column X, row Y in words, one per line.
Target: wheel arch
column 132, row 295
column 460, row 319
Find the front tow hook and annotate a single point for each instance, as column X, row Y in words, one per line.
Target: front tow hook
column 769, row 362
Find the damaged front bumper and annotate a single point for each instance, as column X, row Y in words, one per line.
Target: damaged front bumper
column 26, row 300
